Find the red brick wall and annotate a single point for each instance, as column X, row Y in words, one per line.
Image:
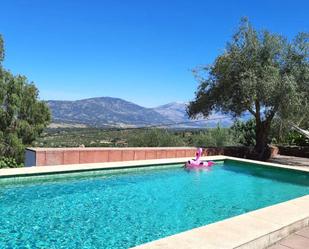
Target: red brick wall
column 58, row 156
column 298, row 151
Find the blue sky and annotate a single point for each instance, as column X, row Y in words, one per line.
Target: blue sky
column 142, row 51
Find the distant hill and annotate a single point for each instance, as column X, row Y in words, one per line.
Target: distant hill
column 115, row 112
column 104, row 111
column 176, row 111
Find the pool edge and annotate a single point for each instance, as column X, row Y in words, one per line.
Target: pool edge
column 244, row 231
column 257, row 229
column 70, row 168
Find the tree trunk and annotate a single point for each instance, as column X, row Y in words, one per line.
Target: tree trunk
column 261, row 149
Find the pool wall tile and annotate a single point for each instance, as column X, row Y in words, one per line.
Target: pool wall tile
column 101, row 156
column 54, row 157
column 161, row 154
column 114, row 155
column 180, row 153
column 71, row 157
column 151, row 154
column 139, row 155
column 171, row 154
column 190, row 152
column 40, row 158
column 85, row 157
column 93, row 156
column 127, row 155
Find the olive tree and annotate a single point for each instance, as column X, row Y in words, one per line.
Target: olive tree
column 259, row 72
column 22, row 116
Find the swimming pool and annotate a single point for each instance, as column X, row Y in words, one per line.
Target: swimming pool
column 123, row 208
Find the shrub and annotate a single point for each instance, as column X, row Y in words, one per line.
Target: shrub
column 155, row 138
column 295, row 138
column 215, row 137
column 244, row 132
column 9, row 162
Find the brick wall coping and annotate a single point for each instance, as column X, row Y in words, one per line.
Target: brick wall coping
column 105, row 148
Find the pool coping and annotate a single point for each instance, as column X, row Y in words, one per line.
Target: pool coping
column 69, row 168
column 255, row 230
column 258, row 229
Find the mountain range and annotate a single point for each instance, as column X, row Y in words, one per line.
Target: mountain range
column 116, row 112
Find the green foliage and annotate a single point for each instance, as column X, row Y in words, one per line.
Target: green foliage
column 259, row 72
column 96, row 137
column 282, row 134
column 295, row 138
column 154, row 138
column 22, row 116
column 9, row 162
column 1, row 49
column 244, row 132
column 216, row 137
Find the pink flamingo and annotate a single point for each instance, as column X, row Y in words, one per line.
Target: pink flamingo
column 197, row 163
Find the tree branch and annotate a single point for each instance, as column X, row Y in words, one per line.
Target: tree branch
column 257, row 112
column 271, row 114
column 251, row 111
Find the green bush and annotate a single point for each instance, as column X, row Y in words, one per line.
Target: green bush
column 295, row 138
column 244, row 132
column 283, row 134
column 23, row 116
column 214, row 137
column 9, row 162
column 155, row 138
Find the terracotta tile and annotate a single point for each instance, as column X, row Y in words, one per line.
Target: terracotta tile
column 54, row 157
column 151, row 154
column 161, row 154
column 278, row 246
column 40, row 158
column 139, row 155
column 170, row 154
column 190, row 153
column 296, row 242
column 70, row 157
column 114, row 155
column 93, row 156
column 304, row 232
column 127, row 155
column 101, row 156
column 180, row 153
column 86, row 156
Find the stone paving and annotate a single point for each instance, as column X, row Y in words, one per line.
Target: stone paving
column 290, row 160
column 298, row 240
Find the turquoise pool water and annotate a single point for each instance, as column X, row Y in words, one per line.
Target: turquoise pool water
column 120, row 210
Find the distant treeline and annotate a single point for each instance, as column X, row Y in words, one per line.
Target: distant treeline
column 239, row 134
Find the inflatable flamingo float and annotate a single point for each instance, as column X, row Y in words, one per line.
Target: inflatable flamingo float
column 197, row 163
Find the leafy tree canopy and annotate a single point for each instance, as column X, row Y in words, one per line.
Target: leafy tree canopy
column 22, row 116
column 244, row 132
column 261, row 73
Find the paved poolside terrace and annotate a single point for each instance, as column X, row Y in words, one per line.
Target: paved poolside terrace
column 258, row 229
column 298, row 240
column 290, row 160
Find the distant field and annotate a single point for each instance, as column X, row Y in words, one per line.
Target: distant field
column 98, row 137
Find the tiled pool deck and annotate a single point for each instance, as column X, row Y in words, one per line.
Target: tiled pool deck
column 290, row 160
column 255, row 230
column 298, row 240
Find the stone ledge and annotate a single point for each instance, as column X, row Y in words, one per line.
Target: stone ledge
column 254, row 230
column 15, row 172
